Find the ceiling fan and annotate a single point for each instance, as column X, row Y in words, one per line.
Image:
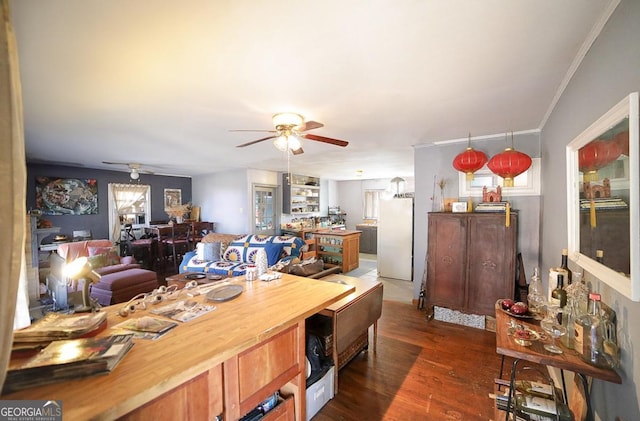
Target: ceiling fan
column 134, row 167
column 289, row 128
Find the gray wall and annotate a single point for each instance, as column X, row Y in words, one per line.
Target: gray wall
column 224, row 200
column 436, row 161
column 609, row 72
column 99, row 224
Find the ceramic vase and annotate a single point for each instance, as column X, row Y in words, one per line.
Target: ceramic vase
column 261, row 262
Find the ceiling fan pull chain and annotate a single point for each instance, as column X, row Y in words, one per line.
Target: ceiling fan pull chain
column 288, row 165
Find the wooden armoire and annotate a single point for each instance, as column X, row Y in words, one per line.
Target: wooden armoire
column 471, row 261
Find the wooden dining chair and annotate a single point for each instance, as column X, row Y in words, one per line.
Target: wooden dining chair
column 200, row 229
column 179, row 242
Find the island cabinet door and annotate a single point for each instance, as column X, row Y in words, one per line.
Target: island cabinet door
column 198, row 399
column 274, row 365
column 446, row 260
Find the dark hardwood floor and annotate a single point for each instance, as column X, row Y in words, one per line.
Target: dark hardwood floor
column 421, row 370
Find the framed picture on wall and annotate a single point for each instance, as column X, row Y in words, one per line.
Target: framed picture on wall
column 66, row 196
column 172, row 197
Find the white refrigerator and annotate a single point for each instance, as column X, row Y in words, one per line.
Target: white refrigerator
column 395, row 238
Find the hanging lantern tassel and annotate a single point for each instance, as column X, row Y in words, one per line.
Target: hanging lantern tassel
column 592, row 213
column 507, row 213
column 469, row 161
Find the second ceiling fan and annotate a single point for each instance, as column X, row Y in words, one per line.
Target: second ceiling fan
column 289, row 128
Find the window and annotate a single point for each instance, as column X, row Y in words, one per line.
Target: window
column 372, row 204
column 526, row 184
column 128, row 204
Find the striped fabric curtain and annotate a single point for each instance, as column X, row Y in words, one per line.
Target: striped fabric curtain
column 13, row 174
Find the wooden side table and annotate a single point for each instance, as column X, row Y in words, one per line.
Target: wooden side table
column 568, row 360
column 351, row 318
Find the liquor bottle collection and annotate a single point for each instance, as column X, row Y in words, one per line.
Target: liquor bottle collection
column 585, row 324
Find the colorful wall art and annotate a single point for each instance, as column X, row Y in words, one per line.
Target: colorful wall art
column 66, row 196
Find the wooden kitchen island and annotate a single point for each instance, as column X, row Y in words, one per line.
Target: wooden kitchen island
column 339, row 247
column 223, row 363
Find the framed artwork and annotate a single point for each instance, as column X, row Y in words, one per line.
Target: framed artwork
column 459, row 207
column 172, row 197
column 66, row 196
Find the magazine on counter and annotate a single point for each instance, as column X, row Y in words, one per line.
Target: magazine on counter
column 69, row 359
column 183, row 310
column 54, row 326
column 145, row 327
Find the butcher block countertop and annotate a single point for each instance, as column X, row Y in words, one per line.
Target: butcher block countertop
column 155, row 367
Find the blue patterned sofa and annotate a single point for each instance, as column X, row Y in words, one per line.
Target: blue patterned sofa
column 239, row 252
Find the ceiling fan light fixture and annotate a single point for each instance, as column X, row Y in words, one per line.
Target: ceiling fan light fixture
column 281, row 143
column 134, row 174
column 294, row 142
column 287, row 120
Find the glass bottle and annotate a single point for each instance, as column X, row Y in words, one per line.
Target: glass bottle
column 564, row 265
column 559, row 295
column 600, row 256
column 535, row 296
column 568, row 320
column 589, row 333
column 579, row 292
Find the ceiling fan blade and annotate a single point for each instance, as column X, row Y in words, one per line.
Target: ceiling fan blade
column 251, row 130
column 297, row 151
column 256, row 141
column 116, row 163
column 336, row 142
column 309, row 125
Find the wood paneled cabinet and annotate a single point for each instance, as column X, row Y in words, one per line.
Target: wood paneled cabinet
column 470, row 261
column 368, row 239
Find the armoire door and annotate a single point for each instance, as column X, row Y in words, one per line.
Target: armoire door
column 446, row 271
column 491, row 261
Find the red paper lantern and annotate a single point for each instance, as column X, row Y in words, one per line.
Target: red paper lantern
column 596, row 155
column 469, row 161
column 509, row 164
column 622, row 139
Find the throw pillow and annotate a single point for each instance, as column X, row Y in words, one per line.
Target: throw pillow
column 111, row 253
column 307, row 269
column 97, row 261
column 208, row 252
column 273, row 252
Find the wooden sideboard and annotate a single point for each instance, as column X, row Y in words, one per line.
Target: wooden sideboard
column 470, row 260
column 222, row 363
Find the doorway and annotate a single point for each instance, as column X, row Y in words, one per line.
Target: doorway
column 264, row 209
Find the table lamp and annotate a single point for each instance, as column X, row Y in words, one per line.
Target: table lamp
column 77, row 270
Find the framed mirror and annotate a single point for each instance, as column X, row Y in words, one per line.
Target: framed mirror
column 602, row 198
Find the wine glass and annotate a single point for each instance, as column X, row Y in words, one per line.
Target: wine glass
column 554, row 328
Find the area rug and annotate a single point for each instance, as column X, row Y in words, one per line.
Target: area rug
column 454, row 316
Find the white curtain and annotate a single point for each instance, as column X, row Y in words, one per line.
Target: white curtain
column 372, row 204
column 122, row 197
column 13, row 208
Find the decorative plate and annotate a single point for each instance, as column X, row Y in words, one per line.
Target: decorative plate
column 527, row 315
column 191, row 276
column 524, row 336
column 224, row 293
